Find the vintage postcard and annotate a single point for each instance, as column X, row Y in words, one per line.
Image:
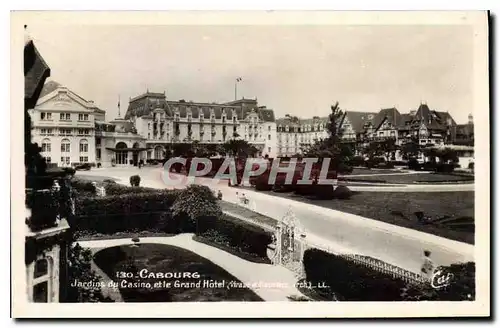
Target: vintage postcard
column 250, row 164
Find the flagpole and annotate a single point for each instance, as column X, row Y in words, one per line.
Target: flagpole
column 119, row 106
column 236, row 90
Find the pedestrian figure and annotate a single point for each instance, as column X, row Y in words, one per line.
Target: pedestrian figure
column 428, row 265
column 219, row 195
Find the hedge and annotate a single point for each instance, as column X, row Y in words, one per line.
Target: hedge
column 125, row 204
column 232, row 232
column 118, row 189
column 151, row 211
column 348, row 280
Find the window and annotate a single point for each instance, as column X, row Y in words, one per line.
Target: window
column 83, row 117
column 65, row 146
column 65, row 116
column 45, row 116
column 268, row 149
column 97, row 141
column 84, row 159
column 269, row 128
column 45, row 146
column 84, row 146
column 46, row 132
column 65, row 132
column 48, row 159
column 83, row 132
column 98, row 154
column 41, row 281
column 268, row 137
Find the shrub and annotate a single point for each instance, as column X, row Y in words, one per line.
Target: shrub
column 374, row 162
column 135, row 180
column 413, row 164
column 196, row 201
column 83, row 186
column 306, row 190
column 324, row 191
column 342, row 192
column 357, row 161
column 113, row 188
column 344, row 168
column 429, row 166
column 44, row 205
column 352, row 281
column 385, row 165
column 471, row 166
column 445, row 167
column 69, row 170
column 262, row 183
column 109, row 181
column 232, row 232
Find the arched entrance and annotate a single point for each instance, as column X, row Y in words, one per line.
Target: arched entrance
column 135, row 154
column 121, row 157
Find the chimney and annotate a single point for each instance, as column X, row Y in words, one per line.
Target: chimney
column 471, row 121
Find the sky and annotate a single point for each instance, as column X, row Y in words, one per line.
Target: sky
column 296, row 70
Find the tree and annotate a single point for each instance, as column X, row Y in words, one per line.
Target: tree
column 332, row 147
column 196, row 201
column 382, row 148
column 444, row 154
column 239, row 148
column 410, row 149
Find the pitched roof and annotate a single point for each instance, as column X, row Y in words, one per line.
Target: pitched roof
column 465, row 129
column 296, row 121
column 145, row 104
column 391, row 114
column 49, row 87
column 358, row 119
column 433, row 119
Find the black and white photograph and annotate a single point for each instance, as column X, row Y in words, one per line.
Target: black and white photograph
column 235, row 159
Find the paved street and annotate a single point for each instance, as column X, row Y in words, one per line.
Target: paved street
column 327, row 228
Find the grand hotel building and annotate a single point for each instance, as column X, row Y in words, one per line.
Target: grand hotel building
column 71, row 130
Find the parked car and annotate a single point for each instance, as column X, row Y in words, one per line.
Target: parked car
column 84, row 167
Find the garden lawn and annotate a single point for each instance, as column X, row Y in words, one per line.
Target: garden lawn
column 375, row 171
column 399, row 208
column 158, row 258
column 412, row 178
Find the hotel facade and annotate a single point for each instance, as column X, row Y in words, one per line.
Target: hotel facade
column 71, row 130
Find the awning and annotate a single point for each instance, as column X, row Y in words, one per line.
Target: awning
column 128, row 149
